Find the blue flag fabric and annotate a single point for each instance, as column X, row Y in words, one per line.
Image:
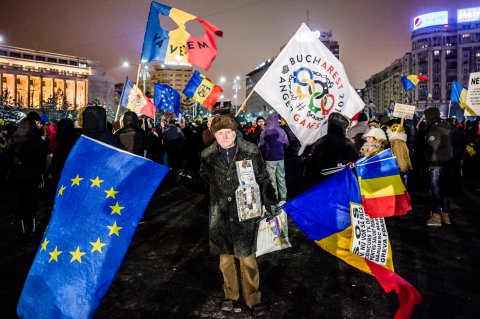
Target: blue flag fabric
column 166, row 98
column 102, row 194
column 333, row 196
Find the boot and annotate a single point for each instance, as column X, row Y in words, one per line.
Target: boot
column 445, row 218
column 434, row 220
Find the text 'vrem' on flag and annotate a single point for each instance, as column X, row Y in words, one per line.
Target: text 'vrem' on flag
column 101, row 196
column 341, row 227
column 381, row 186
column 135, row 100
column 166, row 98
column 305, row 84
column 202, row 90
column 178, row 46
column 411, row 80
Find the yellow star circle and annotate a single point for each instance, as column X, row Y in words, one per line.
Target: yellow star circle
column 97, row 246
column 76, row 180
column 116, row 209
column 60, row 191
column 96, row 182
column 54, row 254
column 114, row 229
column 111, row 193
column 77, row 255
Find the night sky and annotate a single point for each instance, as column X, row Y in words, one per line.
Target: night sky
column 371, row 33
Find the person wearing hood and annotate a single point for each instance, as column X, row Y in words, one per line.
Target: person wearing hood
column 94, row 125
column 27, row 153
column 131, row 137
column 356, row 132
column 332, row 149
column 272, row 142
column 65, row 139
column 438, row 152
column 398, row 145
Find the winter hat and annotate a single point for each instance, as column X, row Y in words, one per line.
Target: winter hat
column 241, row 118
column 223, row 122
column 375, row 132
column 260, row 118
column 34, row 116
column 432, row 114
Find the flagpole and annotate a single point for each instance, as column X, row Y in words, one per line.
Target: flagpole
column 138, row 73
column 120, row 101
column 244, row 102
column 449, row 105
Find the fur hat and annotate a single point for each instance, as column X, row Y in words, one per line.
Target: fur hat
column 223, row 122
column 375, row 132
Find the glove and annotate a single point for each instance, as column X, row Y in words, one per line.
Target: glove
column 183, row 177
column 272, row 210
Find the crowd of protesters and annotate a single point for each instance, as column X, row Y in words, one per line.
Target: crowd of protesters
column 431, row 153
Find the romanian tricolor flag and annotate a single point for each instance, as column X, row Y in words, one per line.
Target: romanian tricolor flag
column 331, row 227
column 202, row 90
column 178, row 46
column 459, row 95
column 382, row 189
column 135, row 100
column 411, row 80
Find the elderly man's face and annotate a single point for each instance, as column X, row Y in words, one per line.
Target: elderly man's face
column 225, row 137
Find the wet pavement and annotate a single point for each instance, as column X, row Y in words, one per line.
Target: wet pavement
column 168, row 272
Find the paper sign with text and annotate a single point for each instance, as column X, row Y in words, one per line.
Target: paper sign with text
column 370, row 236
column 404, row 111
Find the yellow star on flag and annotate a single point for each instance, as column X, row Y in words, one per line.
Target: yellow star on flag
column 44, row 244
column 76, row 180
column 111, row 193
column 114, row 229
column 54, row 254
column 96, row 182
column 116, row 209
column 77, row 255
column 60, row 191
column 97, row 246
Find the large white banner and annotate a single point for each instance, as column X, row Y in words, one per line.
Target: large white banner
column 473, row 95
column 306, row 83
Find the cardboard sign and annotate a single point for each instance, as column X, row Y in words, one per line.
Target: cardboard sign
column 473, row 95
column 404, row 111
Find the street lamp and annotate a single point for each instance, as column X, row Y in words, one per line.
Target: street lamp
column 1, row 38
column 143, row 73
column 235, row 87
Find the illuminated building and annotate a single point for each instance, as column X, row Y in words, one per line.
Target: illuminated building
column 444, row 49
column 175, row 76
column 30, row 77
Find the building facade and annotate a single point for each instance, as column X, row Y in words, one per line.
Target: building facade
column 175, row 76
column 29, row 78
column 444, row 49
column 384, row 87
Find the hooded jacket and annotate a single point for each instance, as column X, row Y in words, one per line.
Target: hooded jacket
column 273, row 140
column 131, row 138
column 95, row 125
column 438, row 142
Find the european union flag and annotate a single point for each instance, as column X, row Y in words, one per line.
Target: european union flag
column 166, row 98
column 101, row 197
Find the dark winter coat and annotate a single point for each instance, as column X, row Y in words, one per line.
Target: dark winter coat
column 330, row 150
column 438, row 150
column 95, row 125
column 227, row 234
column 132, row 139
column 273, row 140
column 27, row 153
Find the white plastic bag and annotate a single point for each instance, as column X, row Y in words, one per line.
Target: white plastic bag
column 272, row 235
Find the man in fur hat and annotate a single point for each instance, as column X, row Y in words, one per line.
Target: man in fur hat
column 229, row 237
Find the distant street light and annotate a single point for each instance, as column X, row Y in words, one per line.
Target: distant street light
column 236, row 87
column 1, row 38
column 143, row 72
